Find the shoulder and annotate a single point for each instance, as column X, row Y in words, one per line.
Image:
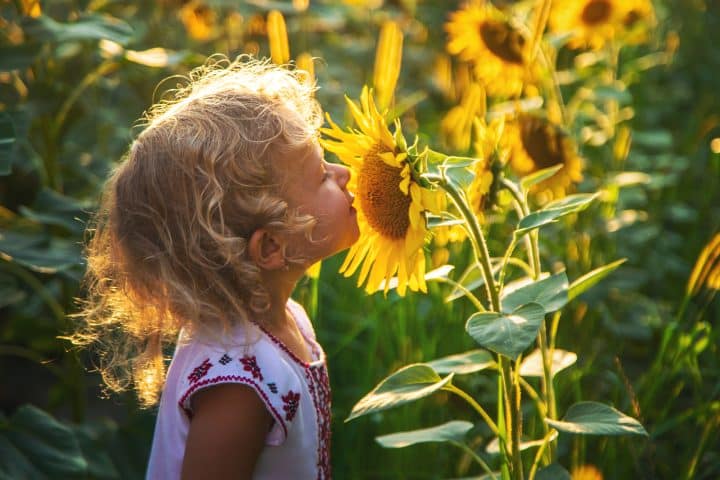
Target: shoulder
column 248, row 358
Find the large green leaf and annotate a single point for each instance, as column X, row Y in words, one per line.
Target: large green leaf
column 13, row 463
column 453, row 431
column 584, row 283
column 406, row 385
column 507, row 334
column 592, row 418
column 48, row 445
column 95, row 452
column 53, row 208
column 532, row 365
column 89, row 27
column 554, row 210
column 551, row 292
column 464, row 363
column 38, row 253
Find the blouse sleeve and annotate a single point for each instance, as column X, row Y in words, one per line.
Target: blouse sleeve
column 259, row 367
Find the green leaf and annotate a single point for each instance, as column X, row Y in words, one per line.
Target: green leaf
column 13, row 463
column 464, row 363
column 532, row 365
column 406, row 385
column 550, row 292
column 534, row 178
column 95, row 451
column 53, row 208
column 592, row 418
column 584, row 283
column 50, row 446
column 554, row 210
column 507, row 334
column 453, row 431
column 459, row 175
column 553, row 472
column 655, row 140
column 89, row 27
column 459, row 162
column 38, row 253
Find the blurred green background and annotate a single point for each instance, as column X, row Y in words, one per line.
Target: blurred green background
column 76, row 75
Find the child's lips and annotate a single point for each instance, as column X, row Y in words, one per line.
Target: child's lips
column 351, row 201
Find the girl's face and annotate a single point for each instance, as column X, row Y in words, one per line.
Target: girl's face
column 318, row 188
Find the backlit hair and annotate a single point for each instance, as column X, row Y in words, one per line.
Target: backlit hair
column 169, row 240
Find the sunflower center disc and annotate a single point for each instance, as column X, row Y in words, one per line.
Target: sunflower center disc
column 542, row 141
column 503, row 40
column 386, row 207
column 595, row 12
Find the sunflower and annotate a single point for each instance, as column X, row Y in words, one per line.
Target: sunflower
column 490, row 151
column 638, row 19
column 593, row 22
column 536, row 143
column 390, row 203
column 482, row 35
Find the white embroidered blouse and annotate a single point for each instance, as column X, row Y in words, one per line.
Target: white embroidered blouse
column 296, row 393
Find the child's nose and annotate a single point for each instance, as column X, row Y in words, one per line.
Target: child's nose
column 343, row 175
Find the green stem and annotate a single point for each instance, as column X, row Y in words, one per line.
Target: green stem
column 547, row 441
column 475, row 301
column 482, row 255
column 477, row 458
column 478, row 408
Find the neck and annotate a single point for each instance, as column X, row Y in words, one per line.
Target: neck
column 279, row 284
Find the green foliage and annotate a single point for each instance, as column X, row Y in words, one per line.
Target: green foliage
column 592, row 418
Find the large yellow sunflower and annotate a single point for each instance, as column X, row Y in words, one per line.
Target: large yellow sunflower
column 592, row 22
column 536, row 143
column 482, row 35
column 390, row 203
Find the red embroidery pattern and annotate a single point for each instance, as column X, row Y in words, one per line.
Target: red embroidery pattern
column 200, row 371
column 250, row 365
column 319, row 386
column 291, row 402
column 226, row 379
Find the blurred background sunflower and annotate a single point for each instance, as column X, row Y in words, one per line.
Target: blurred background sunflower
column 592, row 22
column 534, row 144
column 482, row 35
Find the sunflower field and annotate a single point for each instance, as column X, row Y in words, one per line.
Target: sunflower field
column 533, row 294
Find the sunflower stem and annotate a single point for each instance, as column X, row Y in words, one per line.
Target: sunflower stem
column 546, row 349
column 482, row 255
column 510, row 380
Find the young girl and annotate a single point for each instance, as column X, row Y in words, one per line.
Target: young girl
column 221, row 204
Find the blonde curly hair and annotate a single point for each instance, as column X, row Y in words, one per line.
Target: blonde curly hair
column 169, row 240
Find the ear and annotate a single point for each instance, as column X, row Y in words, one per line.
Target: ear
column 266, row 250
